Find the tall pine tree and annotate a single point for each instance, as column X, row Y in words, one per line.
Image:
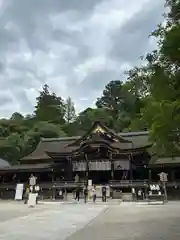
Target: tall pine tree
column 49, row 107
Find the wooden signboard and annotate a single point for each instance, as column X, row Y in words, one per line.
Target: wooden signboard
column 32, row 200
column 19, row 191
column 155, row 193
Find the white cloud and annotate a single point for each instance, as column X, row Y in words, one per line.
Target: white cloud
column 76, row 49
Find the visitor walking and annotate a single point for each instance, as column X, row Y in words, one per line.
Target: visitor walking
column 94, row 193
column 85, row 194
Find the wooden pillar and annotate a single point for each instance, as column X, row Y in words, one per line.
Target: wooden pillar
column 87, row 166
column 52, row 175
column 131, row 172
column 150, row 176
column 70, row 170
column 130, row 165
column 53, row 192
column 53, row 197
column 112, row 166
column 172, row 175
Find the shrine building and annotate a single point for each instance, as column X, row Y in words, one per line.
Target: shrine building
column 121, row 161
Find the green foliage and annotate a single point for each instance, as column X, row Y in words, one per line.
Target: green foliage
column 122, row 103
column 18, row 139
column 39, row 130
column 113, row 98
column 162, row 76
column 86, row 118
column 70, row 112
column 173, row 14
column 48, row 130
column 171, row 44
column 49, row 107
column 138, row 81
column 148, row 100
column 17, row 116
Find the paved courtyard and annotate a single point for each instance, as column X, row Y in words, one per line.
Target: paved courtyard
column 97, row 222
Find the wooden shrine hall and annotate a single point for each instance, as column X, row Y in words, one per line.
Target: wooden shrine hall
column 119, row 160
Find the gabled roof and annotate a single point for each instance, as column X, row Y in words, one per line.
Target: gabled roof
column 138, row 139
column 27, row 167
column 164, row 161
column 65, row 145
column 99, row 127
column 48, row 145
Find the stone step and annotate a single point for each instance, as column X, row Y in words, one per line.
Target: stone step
column 110, row 202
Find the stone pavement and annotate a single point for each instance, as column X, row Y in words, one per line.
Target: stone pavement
column 98, row 222
column 134, row 222
column 44, row 222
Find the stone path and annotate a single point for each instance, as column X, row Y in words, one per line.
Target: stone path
column 55, row 222
column 90, row 222
column 134, row 222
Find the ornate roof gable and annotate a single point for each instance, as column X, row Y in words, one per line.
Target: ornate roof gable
column 99, row 132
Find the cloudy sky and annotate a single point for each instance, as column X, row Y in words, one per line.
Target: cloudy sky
column 75, row 46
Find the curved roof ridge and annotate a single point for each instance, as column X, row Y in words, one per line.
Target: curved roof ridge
column 4, row 163
column 59, row 139
column 140, row 133
column 108, row 130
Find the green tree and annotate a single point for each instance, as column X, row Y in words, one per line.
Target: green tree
column 4, row 128
column 162, row 75
column 112, row 98
column 16, row 144
column 48, row 130
column 87, row 117
column 122, row 102
column 117, row 99
column 5, row 150
column 165, row 84
column 70, row 113
column 49, row 107
column 11, row 148
column 39, row 130
column 138, row 81
column 17, row 116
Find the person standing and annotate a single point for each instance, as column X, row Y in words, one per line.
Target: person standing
column 77, row 193
column 140, row 194
column 26, row 195
column 85, row 194
column 104, row 194
column 37, row 189
column 94, row 193
column 133, row 194
column 76, row 179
